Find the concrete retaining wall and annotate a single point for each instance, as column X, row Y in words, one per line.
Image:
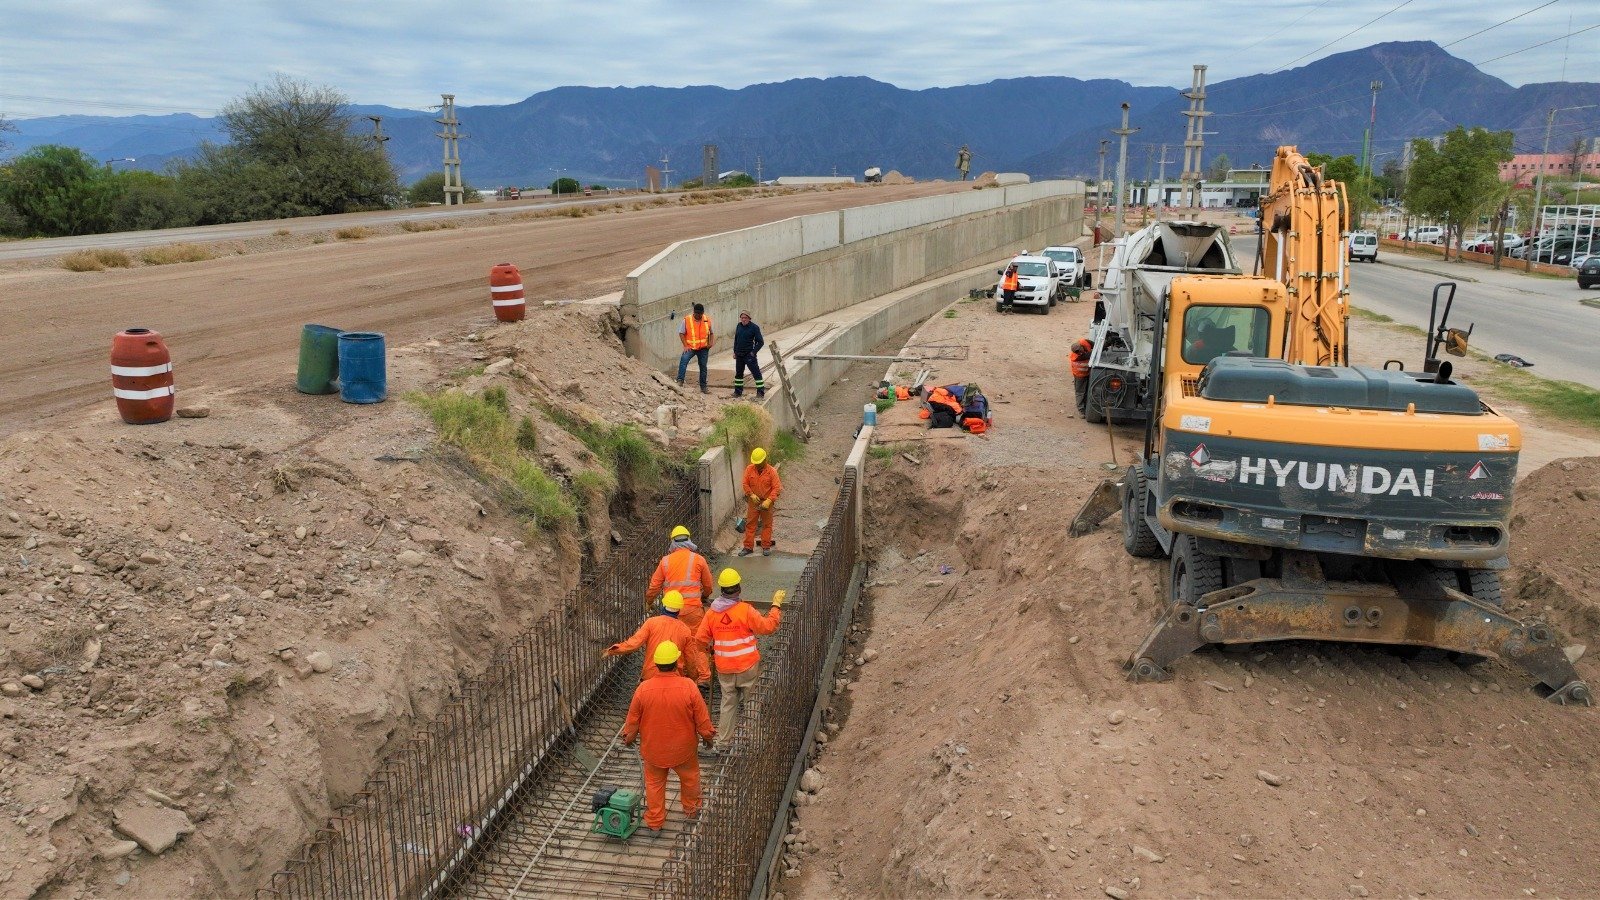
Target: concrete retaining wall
column 797, row 269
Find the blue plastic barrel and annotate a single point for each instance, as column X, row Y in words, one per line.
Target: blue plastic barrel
column 363, row 377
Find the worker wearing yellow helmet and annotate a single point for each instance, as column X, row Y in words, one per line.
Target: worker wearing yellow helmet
column 666, row 715
column 761, row 489
column 684, row 570
column 658, row 631
column 729, row 630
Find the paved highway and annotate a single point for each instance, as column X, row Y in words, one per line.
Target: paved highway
column 124, row 240
column 1538, row 319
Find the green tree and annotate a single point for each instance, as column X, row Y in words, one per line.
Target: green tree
column 1219, row 168
column 1338, row 168
column 57, row 190
column 430, row 189
column 291, row 152
column 739, row 179
column 566, row 186
column 144, row 200
column 1457, row 182
column 5, row 126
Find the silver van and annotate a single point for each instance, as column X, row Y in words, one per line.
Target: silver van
column 1364, row 245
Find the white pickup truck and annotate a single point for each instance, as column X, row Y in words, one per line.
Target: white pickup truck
column 1038, row 285
column 1074, row 270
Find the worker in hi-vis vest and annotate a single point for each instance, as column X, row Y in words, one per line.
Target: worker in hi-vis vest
column 695, row 333
column 729, row 630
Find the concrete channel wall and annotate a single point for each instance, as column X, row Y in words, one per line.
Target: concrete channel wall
column 797, row 269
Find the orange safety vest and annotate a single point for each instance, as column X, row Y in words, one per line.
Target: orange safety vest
column 696, row 333
column 940, row 395
column 679, row 568
column 732, row 635
column 1010, row 282
column 1081, row 349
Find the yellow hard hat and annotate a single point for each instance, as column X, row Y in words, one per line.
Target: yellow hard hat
column 758, row 456
column 672, row 600
column 667, row 653
column 679, row 532
column 728, row 578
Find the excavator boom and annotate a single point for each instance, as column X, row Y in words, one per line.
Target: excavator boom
column 1304, row 218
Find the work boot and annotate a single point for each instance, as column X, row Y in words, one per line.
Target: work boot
column 766, row 551
column 760, row 393
column 739, row 392
column 704, row 389
column 680, row 382
column 744, row 551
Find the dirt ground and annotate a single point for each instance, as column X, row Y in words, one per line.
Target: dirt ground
column 236, row 320
column 984, row 741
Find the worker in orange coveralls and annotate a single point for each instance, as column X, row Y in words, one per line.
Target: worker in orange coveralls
column 666, row 715
column 761, row 489
column 729, row 629
column 686, row 571
column 657, row 630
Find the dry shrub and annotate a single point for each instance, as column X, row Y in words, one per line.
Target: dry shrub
column 419, row 226
column 282, row 232
column 354, row 233
column 82, row 261
column 176, row 253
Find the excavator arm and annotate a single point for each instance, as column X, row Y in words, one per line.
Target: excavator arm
column 1304, row 217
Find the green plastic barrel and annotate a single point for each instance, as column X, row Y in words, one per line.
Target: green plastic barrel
column 319, row 360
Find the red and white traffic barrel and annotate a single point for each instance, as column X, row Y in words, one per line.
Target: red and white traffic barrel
column 505, row 291
column 141, row 377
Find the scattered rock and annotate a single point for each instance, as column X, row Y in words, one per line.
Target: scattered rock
column 33, row 681
column 12, row 689
column 410, row 558
column 1116, row 893
column 498, row 367
column 1574, row 652
column 1220, row 686
column 869, row 654
column 117, row 850
column 149, row 559
column 811, row 781
column 1246, row 839
column 222, row 652
column 319, row 661
column 193, row 412
column 1147, row 854
column 1117, row 717
column 1270, row 778
column 300, row 532
column 155, row 828
column 428, row 537
column 1357, row 890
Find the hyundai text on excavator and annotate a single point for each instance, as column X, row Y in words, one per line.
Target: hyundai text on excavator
column 1300, row 497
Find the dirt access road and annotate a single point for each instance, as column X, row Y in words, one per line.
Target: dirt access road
column 994, row 748
column 236, row 320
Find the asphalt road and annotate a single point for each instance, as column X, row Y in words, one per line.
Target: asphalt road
column 124, row 240
column 1538, row 319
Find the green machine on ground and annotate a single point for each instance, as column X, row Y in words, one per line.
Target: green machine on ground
column 617, row 812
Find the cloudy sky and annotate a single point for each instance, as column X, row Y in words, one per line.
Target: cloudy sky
column 156, row 56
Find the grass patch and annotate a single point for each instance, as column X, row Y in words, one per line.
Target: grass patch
column 741, row 428
column 176, row 253
column 95, row 260
column 1566, row 400
column 419, row 226
column 282, row 232
column 883, row 404
column 481, row 426
column 787, row 446
column 632, row 458
column 1381, row 319
column 881, row 452
column 949, row 314
column 354, row 233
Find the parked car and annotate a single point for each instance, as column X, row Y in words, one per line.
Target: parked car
column 1038, row 284
column 1578, row 261
column 1558, row 252
column 1426, row 234
column 1484, row 243
column 1074, row 271
column 1364, row 245
column 1589, row 275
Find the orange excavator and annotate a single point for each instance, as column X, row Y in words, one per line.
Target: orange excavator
column 1298, row 496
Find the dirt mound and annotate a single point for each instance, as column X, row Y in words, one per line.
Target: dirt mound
column 1555, row 530
column 893, row 176
column 986, row 180
column 223, row 623
column 994, row 748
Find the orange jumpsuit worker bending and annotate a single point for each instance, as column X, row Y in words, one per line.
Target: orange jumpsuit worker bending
column 684, row 570
column 730, row 628
column 761, row 489
column 657, row 630
column 666, row 714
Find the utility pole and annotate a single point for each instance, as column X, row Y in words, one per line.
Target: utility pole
column 377, row 131
column 666, row 173
column 1194, row 141
column 1161, row 199
column 1538, row 196
column 758, row 168
column 1122, row 163
column 452, row 151
column 1366, row 142
column 1100, row 186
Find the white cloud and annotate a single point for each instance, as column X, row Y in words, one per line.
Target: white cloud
column 130, row 55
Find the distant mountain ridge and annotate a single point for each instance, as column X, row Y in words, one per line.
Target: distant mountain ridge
column 1046, row 126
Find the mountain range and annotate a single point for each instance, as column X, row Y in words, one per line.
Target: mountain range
column 1045, row 126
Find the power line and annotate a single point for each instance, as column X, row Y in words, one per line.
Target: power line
column 1289, row 102
column 1336, row 40
column 1498, row 24
column 1540, row 44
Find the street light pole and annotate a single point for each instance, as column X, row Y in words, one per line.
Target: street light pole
column 1538, row 190
column 1366, row 142
column 1122, row 163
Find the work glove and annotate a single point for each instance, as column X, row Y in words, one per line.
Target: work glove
column 610, row 651
column 752, row 498
column 778, row 597
column 766, row 504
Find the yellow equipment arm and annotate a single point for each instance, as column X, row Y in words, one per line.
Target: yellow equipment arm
column 1304, row 218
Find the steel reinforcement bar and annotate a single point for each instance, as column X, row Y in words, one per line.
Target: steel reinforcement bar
column 437, row 800
column 720, row 854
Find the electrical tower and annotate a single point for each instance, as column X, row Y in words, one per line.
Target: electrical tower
column 1194, row 141
column 708, row 165
column 452, row 151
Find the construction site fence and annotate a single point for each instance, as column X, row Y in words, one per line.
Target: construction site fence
column 721, row 856
column 415, row 827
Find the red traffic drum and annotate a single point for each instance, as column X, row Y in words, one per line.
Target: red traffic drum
column 505, row 291
column 141, row 377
